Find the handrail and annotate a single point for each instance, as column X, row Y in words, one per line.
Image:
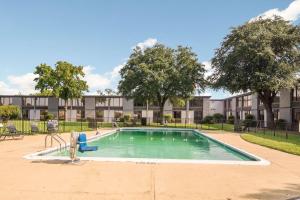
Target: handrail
column 61, row 140
column 57, row 138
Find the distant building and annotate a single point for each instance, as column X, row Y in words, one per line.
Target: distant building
column 104, row 108
column 108, row 108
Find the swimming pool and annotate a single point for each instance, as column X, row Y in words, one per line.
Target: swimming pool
column 161, row 145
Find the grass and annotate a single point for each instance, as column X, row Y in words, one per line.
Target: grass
column 25, row 126
column 278, row 142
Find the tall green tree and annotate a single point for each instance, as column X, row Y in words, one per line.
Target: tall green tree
column 64, row 81
column 261, row 56
column 160, row 73
column 106, row 92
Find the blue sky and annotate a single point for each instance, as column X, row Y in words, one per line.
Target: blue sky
column 101, row 34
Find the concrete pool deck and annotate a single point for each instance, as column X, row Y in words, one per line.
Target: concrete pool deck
column 27, row 179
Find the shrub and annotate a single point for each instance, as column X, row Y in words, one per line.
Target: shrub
column 121, row 119
column 218, row 117
column 208, row 119
column 230, row 119
column 126, row 118
column 249, row 121
column 9, row 112
column 281, row 124
column 49, row 116
column 168, row 117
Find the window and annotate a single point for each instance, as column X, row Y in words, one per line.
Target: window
column 139, row 103
column 100, row 101
column 296, row 93
column 197, row 116
column 138, row 114
column 42, row 101
column 196, row 102
column 5, row 100
column 61, row 114
column 100, row 115
column 229, row 104
column 229, row 113
column 109, row 102
column 239, row 102
column 43, row 114
column 156, row 116
column 25, row 114
column 115, row 102
column 247, row 101
column 79, row 114
column 177, row 116
column 28, row 101
column 73, row 102
column 78, row 102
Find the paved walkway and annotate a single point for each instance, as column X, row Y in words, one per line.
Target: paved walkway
column 25, row 179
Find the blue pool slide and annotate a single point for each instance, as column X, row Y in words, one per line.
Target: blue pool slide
column 83, row 145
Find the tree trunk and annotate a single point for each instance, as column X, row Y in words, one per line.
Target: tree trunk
column 270, row 115
column 267, row 97
column 162, row 119
column 187, row 108
column 66, row 109
column 147, row 108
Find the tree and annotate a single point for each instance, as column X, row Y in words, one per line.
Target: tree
column 9, row 112
column 160, row 73
column 106, row 92
column 65, row 81
column 261, row 56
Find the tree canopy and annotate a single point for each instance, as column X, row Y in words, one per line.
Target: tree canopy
column 261, row 56
column 9, row 112
column 64, row 81
column 160, row 73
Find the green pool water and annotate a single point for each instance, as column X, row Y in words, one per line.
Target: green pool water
column 161, row 144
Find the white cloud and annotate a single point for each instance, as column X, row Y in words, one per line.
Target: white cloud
column 116, row 71
column 291, row 13
column 208, row 68
column 150, row 42
column 24, row 83
column 95, row 81
column 6, row 89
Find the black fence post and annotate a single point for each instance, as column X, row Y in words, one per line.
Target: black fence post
column 22, row 122
column 286, row 132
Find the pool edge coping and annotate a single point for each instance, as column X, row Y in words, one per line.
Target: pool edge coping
column 41, row 155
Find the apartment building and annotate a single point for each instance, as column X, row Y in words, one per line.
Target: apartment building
column 104, row 108
column 107, row 108
column 285, row 106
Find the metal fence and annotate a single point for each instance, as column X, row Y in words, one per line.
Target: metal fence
column 254, row 126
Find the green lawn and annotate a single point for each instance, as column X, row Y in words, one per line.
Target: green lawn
column 25, row 126
column 278, row 142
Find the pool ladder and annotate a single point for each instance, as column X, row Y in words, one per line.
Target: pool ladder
column 54, row 136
